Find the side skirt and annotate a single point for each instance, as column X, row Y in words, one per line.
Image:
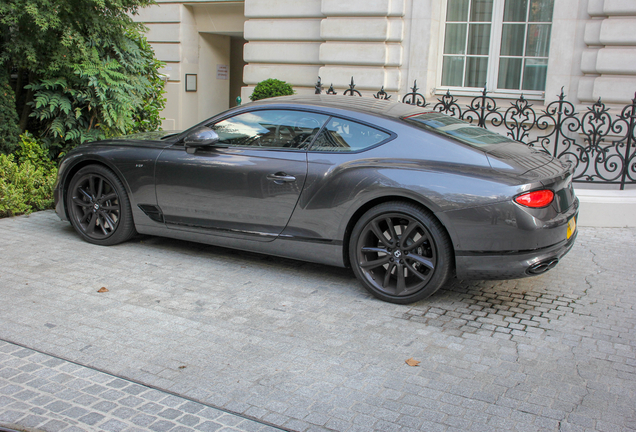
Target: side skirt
column 321, row 253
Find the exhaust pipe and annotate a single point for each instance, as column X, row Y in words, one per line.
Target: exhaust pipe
column 542, row 267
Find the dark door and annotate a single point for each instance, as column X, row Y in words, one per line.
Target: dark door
column 247, row 184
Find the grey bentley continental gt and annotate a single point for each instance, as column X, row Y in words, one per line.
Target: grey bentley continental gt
column 404, row 196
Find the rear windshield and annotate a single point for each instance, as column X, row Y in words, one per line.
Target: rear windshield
column 460, row 130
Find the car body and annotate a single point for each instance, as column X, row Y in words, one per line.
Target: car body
column 404, row 196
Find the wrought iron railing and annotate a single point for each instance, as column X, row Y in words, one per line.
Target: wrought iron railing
column 601, row 145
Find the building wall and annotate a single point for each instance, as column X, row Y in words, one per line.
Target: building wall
column 300, row 41
column 609, row 58
column 381, row 43
column 195, row 38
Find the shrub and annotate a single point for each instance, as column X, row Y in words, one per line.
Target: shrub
column 271, row 88
column 27, row 178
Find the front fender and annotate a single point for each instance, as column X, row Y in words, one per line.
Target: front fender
column 133, row 166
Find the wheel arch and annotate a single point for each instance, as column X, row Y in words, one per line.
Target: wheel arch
column 78, row 165
column 443, row 220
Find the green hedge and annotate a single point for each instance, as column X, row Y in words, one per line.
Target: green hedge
column 27, row 178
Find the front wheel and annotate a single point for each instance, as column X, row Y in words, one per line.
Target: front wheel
column 98, row 206
column 400, row 252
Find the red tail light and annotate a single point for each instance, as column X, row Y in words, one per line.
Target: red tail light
column 536, row 199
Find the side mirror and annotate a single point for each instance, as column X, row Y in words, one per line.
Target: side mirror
column 200, row 137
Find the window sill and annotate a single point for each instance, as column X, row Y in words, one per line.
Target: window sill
column 495, row 94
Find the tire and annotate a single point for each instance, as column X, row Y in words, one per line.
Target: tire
column 98, row 206
column 400, row 252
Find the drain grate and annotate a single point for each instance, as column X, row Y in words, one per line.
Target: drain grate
column 468, row 308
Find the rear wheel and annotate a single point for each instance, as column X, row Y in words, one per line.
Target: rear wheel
column 400, row 252
column 98, row 206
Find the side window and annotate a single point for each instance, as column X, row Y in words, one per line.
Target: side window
column 289, row 130
column 347, row 136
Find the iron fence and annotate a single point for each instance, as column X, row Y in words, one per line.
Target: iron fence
column 600, row 144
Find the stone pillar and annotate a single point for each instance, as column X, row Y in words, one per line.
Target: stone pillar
column 283, row 42
column 297, row 41
column 609, row 61
column 363, row 39
column 173, row 36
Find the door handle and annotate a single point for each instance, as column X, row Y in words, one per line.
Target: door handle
column 281, row 177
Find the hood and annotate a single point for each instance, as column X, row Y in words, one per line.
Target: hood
column 156, row 139
column 148, row 136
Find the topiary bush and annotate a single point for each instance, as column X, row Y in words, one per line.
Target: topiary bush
column 271, row 88
column 27, row 178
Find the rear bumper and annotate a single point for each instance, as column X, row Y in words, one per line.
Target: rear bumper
column 512, row 265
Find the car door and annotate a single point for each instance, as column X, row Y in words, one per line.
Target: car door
column 247, row 184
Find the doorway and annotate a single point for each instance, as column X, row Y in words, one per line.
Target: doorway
column 236, row 68
column 220, row 60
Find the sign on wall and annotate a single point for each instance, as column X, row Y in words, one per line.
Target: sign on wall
column 222, row 72
column 191, row 82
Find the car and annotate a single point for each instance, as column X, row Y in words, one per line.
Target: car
column 406, row 197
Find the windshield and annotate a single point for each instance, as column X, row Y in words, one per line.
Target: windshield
column 460, row 130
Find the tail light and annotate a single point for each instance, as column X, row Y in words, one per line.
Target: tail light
column 536, row 199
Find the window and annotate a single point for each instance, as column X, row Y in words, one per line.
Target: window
column 288, row 130
column 502, row 44
column 347, row 136
column 460, row 130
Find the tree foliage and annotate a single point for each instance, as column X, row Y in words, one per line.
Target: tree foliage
column 9, row 130
column 271, row 88
column 82, row 69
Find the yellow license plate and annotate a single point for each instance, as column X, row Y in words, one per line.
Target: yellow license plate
column 571, row 227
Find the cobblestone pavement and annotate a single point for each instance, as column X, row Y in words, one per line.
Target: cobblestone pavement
column 303, row 347
column 51, row 394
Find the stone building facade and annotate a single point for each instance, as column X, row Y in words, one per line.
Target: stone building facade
column 232, row 45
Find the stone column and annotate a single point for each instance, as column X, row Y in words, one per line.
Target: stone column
column 609, row 61
column 363, row 39
column 283, row 42
column 297, row 41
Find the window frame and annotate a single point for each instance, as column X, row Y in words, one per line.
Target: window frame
column 493, row 60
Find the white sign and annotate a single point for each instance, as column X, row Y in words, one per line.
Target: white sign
column 222, row 72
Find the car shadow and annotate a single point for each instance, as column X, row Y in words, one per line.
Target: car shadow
column 522, row 306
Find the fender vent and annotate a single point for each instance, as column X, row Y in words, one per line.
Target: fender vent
column 152, row 211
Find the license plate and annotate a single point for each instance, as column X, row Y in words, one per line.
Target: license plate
column 571, row 227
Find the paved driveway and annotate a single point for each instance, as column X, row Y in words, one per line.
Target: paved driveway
column 304, row 347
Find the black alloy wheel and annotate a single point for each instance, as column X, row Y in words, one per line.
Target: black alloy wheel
column 400, row 252
column 98, row 206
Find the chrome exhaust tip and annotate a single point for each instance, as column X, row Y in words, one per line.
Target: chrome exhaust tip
column 542, row 267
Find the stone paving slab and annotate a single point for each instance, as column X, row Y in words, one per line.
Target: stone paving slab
column 45, row 393
column 304, row 347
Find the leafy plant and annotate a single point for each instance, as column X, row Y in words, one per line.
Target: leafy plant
column 27, row 178
column 83, row 70
column 105, row 97
column 271, row 88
